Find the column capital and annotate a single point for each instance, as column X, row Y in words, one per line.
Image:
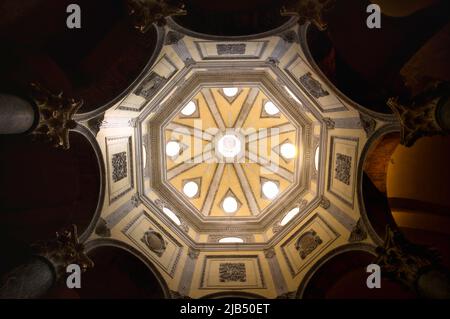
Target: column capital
column 269, row 253
column 404, row 261
column 193, row 253
column 309, row 11
column 324, row 202
column 55, row 116
column 64, row 250
column 147, row 12
column 420, row 116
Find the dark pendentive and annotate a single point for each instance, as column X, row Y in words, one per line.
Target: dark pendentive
column 117, row 274
column 43, row 189
column 232, row 17
column 96, row 63
column 365, row 63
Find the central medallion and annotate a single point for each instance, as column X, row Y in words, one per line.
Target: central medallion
column 229, row 146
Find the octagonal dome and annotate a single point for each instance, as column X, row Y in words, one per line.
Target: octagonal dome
column 231, row 147
column 235, row 151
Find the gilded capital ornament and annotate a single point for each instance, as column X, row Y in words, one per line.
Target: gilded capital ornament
column 324, row 202
column 358, row 232
column 147, row 12
column 419, row 117
column 309, row 11
column 330, row 124
column 367, row 123
column 404, row 261
column 276, row 227
column 269, row 253
column 135, row 200
column 55, row 116
column 193, row 253
column 63, row 251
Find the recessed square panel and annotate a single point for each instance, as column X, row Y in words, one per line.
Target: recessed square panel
column 308, row 242
column 120, row 168
column 232, row 272
column 342, row 171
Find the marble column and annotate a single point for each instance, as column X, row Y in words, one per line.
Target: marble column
column 434, row 283
column 46, row 267
column 28, row 281
column 16, row 114
column 414, row 266
column 443, row 113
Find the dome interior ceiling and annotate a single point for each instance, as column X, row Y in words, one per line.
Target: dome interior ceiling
column 258, row 139
column 230, row 147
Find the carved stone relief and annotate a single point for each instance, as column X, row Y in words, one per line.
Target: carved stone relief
column 135, row 200
column 358, row 232
column 307, row 243
column 325, row 202
column 313, row 86
column 119, row 166
column 232, row 272
column 154, row 241
column 228, row 49
column 150, row 86
column 343, row 168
